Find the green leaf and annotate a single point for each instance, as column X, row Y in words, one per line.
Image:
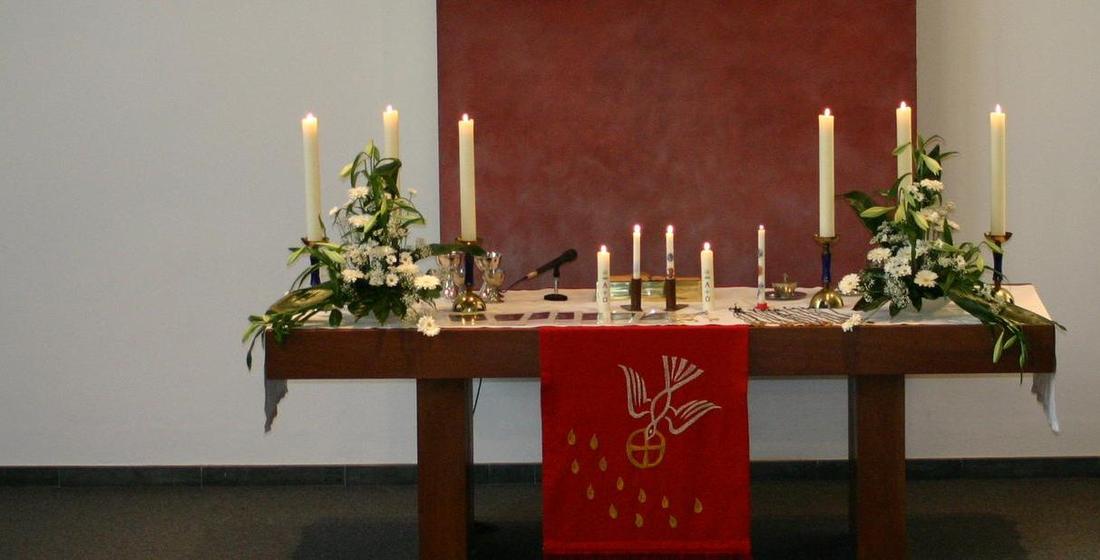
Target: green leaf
column 920, row 220
column 876, row 211
column 898, row 151
column 335, row 317
column 932, row 164
column 300, row 300
column 998, row 347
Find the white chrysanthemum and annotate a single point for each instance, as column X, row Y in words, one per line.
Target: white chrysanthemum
column 426, row 282
column 358, row 192
column 918, row 196
column 898, row 266
column 960, row 262
column 931, row 215
column 946, row 262
column 391, row 259
column 878, row 255
column 358, row 221
column 855, row 319
column 350, row 275
column 405, row 257
column 408, row 269
column 849, row 284
column 922, row 247
column 932, row 185
column 392, row 279
column 377, row 278
column 427, row 326
column 925, row 279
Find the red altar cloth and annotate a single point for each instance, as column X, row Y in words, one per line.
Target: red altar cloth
column 645, row 442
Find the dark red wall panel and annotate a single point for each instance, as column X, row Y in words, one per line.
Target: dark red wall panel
column 593, row 116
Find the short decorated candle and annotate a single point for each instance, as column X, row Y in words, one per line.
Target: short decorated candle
column 706, row 272
column 670, row 254
column 997, row 174
column 312, row 156
column 603, row 280
column 760, row 265
column 637, row 239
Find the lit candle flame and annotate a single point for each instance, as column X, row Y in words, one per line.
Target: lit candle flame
column 389, row 108
column 761, row 226
column 828, row 112
column 998, row 109
column 903, row 105
column 706, row 246
column 637, row 228
column 603, row 248
column 669, row 230
column 465, row 117
column 310, row 117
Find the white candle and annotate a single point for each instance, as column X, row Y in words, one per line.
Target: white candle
column 637, row 235
column 391, row 133
column 706, row 272
column 466, row 178
column 312, row 156
column 760, row 265
column 997, row 175
column 904, row 115
column 603, row 280
column 826, row 185
column 670, row 255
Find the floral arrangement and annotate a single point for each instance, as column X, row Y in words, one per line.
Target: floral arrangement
column 372, row 271
column 915, row 258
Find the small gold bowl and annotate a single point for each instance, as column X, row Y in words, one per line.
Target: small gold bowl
column 785, row 290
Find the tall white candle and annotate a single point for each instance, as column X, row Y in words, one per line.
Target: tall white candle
column 826, row 185
column 760, row 265
column 391, row 132
column 706, row 272
column 904, row 115
column 637, row 238
column 603, row 280
column 466, row 178
column 997, row 175
column 670, row 255
column 312, row 156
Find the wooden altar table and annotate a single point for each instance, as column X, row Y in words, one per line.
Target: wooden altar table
column 874, row 358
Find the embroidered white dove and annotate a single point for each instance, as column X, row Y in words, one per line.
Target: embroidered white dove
column 678, row 372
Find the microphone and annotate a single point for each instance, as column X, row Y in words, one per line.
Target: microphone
column 566, row 257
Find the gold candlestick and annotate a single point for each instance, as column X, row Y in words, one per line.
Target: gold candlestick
column 826, row 297
column 468, row 302
column 998, row 260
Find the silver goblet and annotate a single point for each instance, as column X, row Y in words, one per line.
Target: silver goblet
column 451, row 273
column 492, row 276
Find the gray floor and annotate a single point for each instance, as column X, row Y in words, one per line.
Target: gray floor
column 963, row 519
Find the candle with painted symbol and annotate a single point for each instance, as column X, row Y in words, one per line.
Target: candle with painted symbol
column 997, row 175
column 904, row 115
column 826, row 185
column 637, row 239
column 603, row 280
column 466, row 175
column 706, row 272
column 670, row 254
column 760, row 233
column 311, row 155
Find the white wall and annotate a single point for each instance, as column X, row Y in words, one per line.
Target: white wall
column 151, row 179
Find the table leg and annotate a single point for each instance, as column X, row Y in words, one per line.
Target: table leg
column 444, row 454
column 876, row 449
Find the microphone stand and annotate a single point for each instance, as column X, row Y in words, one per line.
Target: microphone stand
column 556, row 296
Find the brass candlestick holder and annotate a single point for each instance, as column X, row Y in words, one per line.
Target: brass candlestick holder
column 999, row 239
column 315, row 276
column 635, row 295
column 468, row 302
column 826, row 297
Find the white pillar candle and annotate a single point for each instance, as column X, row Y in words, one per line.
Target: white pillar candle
column 637, row 235
column 997, row 175
column 466, row 178
column 706, row 272
column 826, row 185
column 391, row 133
column 312, row 156
column 603, row 280
column 670, row 255
column 760, row 265
column 904, row 115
